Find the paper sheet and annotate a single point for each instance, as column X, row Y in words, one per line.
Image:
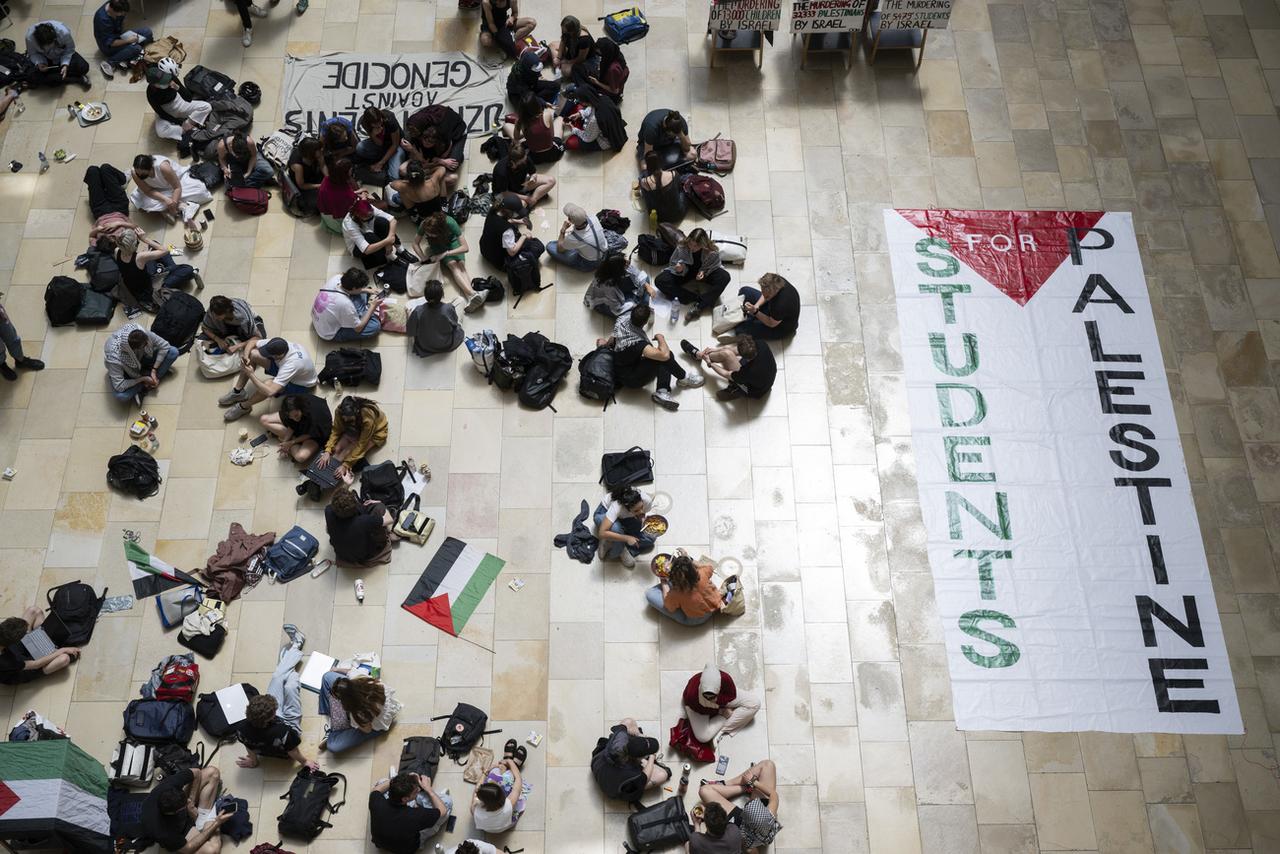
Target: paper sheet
column 316, row 667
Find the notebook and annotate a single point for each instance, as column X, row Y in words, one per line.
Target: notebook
column 38, row 644
column 314, row 670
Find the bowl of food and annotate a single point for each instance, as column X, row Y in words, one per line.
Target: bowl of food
column 93, row 112
column 60, row 155
column 661, row 565
column 655, row 525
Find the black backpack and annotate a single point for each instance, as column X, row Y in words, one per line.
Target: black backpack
column 551, row 363
column 381, row 482
column 62, row 298
column 104, row 272
column 211, row 718
column 595, row 375
column 626, row 468
column 352, row 366
column 208, row 173
column 458, row 206
column 205, row 84
column 134, row 472
column 653, row 250
column 663, row 825
column 493, row 289
column 159, row 721
column 73, row 612
column 14, row 66
column 420, row 754
column 308, row 804
column 172, row 758
column 524, row 273
column 96, row 309
column 178, row 320
column 463, row 730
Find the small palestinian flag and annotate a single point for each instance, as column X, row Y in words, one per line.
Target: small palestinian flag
column 150, row 574
column 53, row 790
column 452, row 585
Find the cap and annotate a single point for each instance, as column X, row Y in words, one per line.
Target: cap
column 274, row 348
column 639, row 746
column 529, row 59
column 157, row 76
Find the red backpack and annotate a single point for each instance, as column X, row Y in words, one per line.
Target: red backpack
column 251, row 200
column 717, row 155
column 179, row 681
column 706, row 194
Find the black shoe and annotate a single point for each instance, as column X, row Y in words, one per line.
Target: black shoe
column 7, row 372
column 730, row 393
column 30, row 364
column 688, row 347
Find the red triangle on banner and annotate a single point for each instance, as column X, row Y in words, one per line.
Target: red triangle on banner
column 435, row 611
column 1016, row 251
column 8, row 797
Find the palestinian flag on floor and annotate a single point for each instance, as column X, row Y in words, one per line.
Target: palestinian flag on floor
column 53, row 792
column 150, row 574
column 452, row 585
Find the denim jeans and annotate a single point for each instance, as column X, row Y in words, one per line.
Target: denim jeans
column 654, row 597
column 9, row 338
column 129, row 52
column 162, row 368
column 632, row 527
column 286, row 686
column 373, row 327
column 753, row 327
column 341, row 739
column 370, row 152
column 571, row 257
column 261, row 174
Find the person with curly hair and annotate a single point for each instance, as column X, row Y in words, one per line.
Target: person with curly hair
column 360, row 532
column 688, row 595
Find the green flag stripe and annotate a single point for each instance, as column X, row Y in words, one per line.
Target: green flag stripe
column 41, row 760
column 134, row 553
column 485, row 572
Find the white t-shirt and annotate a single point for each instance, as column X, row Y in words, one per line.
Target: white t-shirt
column 353, row 230
column 588, row 240
column 295, row 367
column 493, row 821
column 481, row 846
column 509, row 238
column 333, row 310
column 616, row 511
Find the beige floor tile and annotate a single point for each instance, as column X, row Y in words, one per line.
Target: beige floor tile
column 1063, row 817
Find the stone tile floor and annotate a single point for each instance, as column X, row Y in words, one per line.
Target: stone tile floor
column 1166, row 108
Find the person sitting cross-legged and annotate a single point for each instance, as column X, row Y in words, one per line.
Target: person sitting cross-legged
column 346, row 308
column 232, row 324
column 302, row 425
column 714, row 833
column 370, row 234
column 756, row 820
column 500, row 800
column 688, row 594
column 405, row 811
column 52, row 50
column 625, row 763
column 637, row 361
column 359, row 531
column 136, row 359
column 120, row 48
column 433, row 326
column 179, row 812
column 287, row 369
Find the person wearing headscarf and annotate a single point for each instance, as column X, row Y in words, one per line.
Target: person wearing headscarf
column 715, row 707
column 582, row 244
column 136, row 360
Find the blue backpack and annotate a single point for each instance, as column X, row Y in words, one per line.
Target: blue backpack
column 159, row 721
column 626, row 26
column 291, row 555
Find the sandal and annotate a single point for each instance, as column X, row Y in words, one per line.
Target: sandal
column 521, row 755
column 509, row 749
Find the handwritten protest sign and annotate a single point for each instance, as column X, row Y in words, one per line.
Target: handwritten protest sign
column 757, row 15
column 915, row 14
column 816, row 16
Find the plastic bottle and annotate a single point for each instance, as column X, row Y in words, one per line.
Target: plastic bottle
column 360, row 590
column 653, row 220
column 44, row 162
column 675, row 312
column 684, row 780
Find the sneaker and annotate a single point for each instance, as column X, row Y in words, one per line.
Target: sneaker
column 257, row 11
column 475, row 303
column 295, row 634
column 663, row 398
column 31, row 364
column 687, row 346
column 692, row 314
column 234, row 396
column 108, row 70
column 730, row 393
column 628, row 559
column 236, row 412
column 691, row 381
column 7, row 372
column 302, row 6
column 247, row 38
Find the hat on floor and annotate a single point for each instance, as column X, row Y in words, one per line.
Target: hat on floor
column 157, row 76
column 710, row 681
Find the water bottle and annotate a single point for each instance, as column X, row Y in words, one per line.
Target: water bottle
column 684, row 780
column 675, row 312
column 653, row 220
column 44, row 162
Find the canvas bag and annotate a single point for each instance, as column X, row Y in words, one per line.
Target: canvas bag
column 412, row 524
column 215, row 365
column 724, row 317
column 716, row 155
column 175, row 604
column 165, row 47
column 132, row 764
column 391, row 710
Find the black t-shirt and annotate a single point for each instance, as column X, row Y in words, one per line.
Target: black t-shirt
column 316, row 421
column 397, row 828
column 312, row 173
column 585, row 39
column 160, row 98
column 757, row 376
column 169, row 831
column 275, row 740
column 630, row 366
column 784, row 308
column 13, row 666
column 651, row 131
column 507, row 177
column 353, row 539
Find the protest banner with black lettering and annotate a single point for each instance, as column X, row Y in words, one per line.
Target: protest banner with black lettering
column 756, row 15
column 819, row 16
column 1067, row 560
column 319, row 87
column 915, row 14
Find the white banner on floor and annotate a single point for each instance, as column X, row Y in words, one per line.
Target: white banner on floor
column 1067, row 562
column 344, row 84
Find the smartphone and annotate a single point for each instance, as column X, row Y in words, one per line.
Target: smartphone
column 208, row 215
column 258, row 440
column 449, row 825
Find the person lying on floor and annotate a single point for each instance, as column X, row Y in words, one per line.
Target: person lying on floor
column 272, row 726
column 16, row 664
